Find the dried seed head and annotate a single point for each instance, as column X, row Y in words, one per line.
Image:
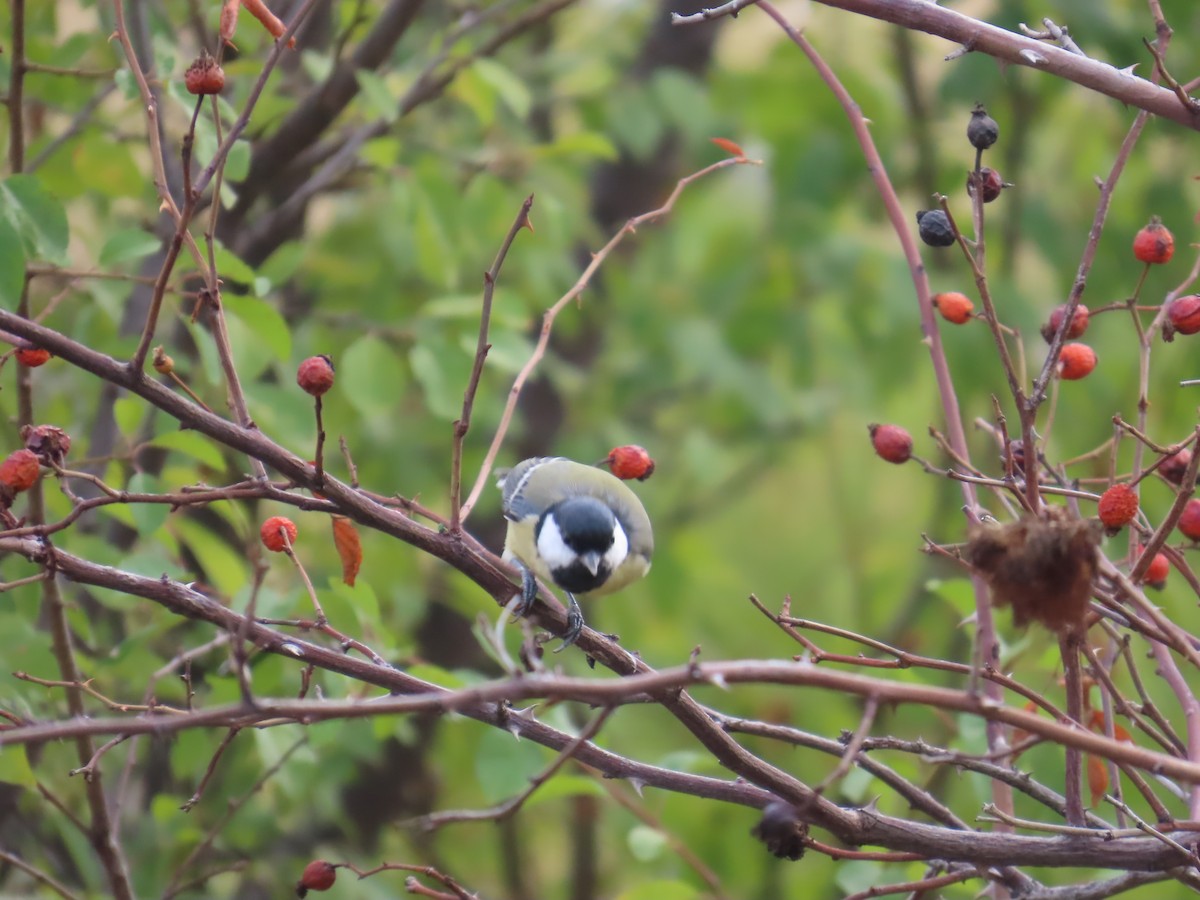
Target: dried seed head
column 1043, row 567
column 48, row 442
column 782, row 830
column 982, row 130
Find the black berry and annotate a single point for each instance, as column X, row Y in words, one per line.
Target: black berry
column 982, row 131
column 934, row 227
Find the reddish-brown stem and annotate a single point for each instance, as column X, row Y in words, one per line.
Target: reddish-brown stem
column 463, row 425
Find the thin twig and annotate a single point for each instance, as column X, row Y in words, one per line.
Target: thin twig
column 481, row 350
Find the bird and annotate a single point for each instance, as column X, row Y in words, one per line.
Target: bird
column 575, row 526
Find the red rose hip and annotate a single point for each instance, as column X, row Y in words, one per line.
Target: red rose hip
column 1184, row 314
column 630, row 461
column 273, row 530
column 1157, row 571
column 19, row 470
column 1189, row 522
column 1174, row 467
column 1076, row 361
column 891, row 442
column 1076, row 328
column 954, row 307
column 32, row 357
column 318, row 875
column 1154, row 243
column 204, row 75
column 315, row 375
column 1118, row 506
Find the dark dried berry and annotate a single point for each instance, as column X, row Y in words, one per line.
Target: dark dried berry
column 934, row 228
column 782, row 830
column 1174, row 467
column 982, row 130
column 992, row 183
column 1015, row 453
column 48, row 442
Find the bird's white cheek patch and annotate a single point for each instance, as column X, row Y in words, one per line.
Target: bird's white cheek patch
column 552, row 548
column 618, row 551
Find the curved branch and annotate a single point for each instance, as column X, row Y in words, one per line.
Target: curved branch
column 1010, row 47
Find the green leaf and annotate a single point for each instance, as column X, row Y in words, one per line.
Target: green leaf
column 264, row 322
column 149, row 517
column 194, row 445
column 511, row 90
column 127, row 244
column 129, row 412
column 237, row 162
column 377, row 95
column 583, row 144
column 370, row 377
column 12, row 265
column 659, row 890
column 510, row 349
column 646, row 843
column 37, row 215
column 565, row 786
column 231, row 268
column 224, row 567
column 435, row 255
column 15, row 768
column 504, row 765
column 443, row 391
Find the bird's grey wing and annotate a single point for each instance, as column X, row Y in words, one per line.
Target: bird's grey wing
column 512, row 486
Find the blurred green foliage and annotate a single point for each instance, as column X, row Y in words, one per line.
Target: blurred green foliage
column 747, row 340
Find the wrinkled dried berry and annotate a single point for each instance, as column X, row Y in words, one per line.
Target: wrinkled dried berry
column 315, row 375
column 1118, row 507
column 934, row 227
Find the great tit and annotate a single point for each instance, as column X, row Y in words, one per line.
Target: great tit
column 574, row 526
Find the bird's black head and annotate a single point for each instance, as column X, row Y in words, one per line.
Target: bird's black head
column 580, row 541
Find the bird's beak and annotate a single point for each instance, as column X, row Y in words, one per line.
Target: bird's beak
column 591, row 560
